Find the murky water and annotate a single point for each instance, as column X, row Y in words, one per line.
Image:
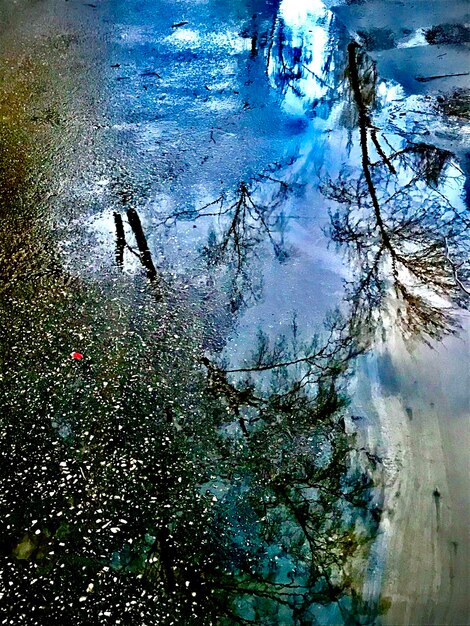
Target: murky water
column 234, row 278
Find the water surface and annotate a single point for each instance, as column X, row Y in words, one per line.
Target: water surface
column 233, row 289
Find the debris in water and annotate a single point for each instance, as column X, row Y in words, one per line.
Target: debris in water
column 427, row 79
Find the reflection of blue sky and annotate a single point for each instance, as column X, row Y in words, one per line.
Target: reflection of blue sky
column 303, row 28
column 216, row 115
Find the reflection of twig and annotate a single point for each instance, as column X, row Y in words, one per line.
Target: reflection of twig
column 132, row 251
column 196, row 213
column 320, row 80
column 274, row 180
column 426, row 79
column 455, row 269
column 326, row 352
column 380, row 151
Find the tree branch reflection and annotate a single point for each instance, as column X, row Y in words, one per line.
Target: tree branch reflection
column 397, row 227
column 242, row 222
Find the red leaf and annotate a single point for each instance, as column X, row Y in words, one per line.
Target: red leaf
column 77, row 356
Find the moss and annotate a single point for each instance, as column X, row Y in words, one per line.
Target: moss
column 384, row 605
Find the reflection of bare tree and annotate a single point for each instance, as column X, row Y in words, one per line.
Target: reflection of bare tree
column 258, row 27
column 324, row 357
column 247, row 224
column 296, row 450
column 296, row 456
column 290, row 56
column 242, row 223
column 399, row 228
column 290, row 61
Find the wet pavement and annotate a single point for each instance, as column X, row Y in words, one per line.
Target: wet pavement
column 250, row 222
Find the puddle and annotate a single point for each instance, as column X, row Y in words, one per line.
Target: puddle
column 250, row 236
